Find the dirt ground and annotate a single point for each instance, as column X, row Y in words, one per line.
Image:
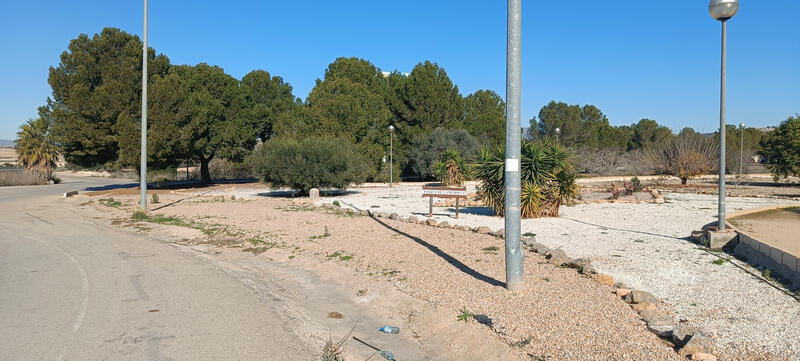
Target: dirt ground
column 778, row 228
column 560, row 316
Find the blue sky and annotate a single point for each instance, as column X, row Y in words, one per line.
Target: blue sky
column 631, row 58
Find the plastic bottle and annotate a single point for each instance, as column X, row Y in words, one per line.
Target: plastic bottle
column 387, row 355
column 389, row 329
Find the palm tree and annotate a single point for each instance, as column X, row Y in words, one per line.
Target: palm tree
column 35, row 148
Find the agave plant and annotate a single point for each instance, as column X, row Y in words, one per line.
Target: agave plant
column 546, row 174
column 451, row 169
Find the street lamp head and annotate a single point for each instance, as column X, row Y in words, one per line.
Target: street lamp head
column 558, row 130
column 723, row 10
column 391, row 128
column 741, row 125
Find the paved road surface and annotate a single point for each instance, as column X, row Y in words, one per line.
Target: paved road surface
column 71, row 289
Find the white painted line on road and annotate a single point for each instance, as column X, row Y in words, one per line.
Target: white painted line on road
column 81, row 310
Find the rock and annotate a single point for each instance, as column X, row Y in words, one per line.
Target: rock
column 699, row 342
column 662, row 328
column 557, row 257
column 644, row 306
column 462, row 228
column 443, row 225
column 638, row 296
column 394, row 216
column 363, row 212
column 620, row 285
column 432, row 222
column 584, row 266
column 702, row 356
column 500, row 233
column 528, row 241
column 681, row 334
column 412, row 219
column 539, row 248
column 483, row 230
column 604, row 279
column 659, row 200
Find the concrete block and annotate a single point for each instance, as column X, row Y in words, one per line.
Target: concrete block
column 70, row 194
column 776, row 255
column 313, row 195
column 789, row 261
column 719, row 239
column 764, row 249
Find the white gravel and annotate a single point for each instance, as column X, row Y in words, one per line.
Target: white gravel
column 644, row 246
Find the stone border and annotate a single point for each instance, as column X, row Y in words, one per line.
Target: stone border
column 687, row 342
column 759, row 253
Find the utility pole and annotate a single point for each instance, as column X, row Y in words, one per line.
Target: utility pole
column 143, row 169
column 514, row 278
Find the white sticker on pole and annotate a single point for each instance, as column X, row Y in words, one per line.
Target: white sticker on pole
column 512, row 165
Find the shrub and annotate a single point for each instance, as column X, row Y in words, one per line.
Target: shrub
column 450, row 170
column 309, row 163
column 686, row 156
column 224, row 169
column 546, row 174
column 428, row 149
column 782, row 149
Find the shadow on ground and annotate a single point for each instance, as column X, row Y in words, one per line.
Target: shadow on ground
column 450, row 259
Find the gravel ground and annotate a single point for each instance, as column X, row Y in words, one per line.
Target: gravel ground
column 644, row 246
column 560, row 316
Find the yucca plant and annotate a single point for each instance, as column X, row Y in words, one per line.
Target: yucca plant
column 451, row 169
column 546, row 174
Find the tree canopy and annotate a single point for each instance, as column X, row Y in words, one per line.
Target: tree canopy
column 782, row 149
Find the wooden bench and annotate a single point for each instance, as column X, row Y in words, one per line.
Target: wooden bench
column 443, row 192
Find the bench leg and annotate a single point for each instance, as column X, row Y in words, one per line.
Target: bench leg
column 456, row 208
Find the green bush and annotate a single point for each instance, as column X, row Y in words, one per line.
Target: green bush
column 308, row 163
column 546, row 174
column 428, row 149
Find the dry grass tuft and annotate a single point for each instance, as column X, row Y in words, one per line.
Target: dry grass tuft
column 333, row 350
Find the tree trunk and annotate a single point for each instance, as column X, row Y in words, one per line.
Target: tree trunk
column 205, row 176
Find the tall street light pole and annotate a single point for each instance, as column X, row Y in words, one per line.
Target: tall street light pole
column 558, row 132
column 391, row 155
column 143, row 161
column 722, row 10
column 514, row 279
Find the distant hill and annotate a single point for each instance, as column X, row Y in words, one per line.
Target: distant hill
column 6, row 143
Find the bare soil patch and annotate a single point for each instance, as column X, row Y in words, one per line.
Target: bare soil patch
column 778, row 228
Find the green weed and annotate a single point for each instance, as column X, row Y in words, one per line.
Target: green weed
column 465, row 315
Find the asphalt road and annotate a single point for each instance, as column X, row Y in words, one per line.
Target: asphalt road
column 73, row 289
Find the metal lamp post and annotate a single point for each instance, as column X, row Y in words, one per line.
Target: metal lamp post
column 722, row 10
column 558, row 132
column 514, row 276
column 391, row 160
column 143, row 162
column 741, row 147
